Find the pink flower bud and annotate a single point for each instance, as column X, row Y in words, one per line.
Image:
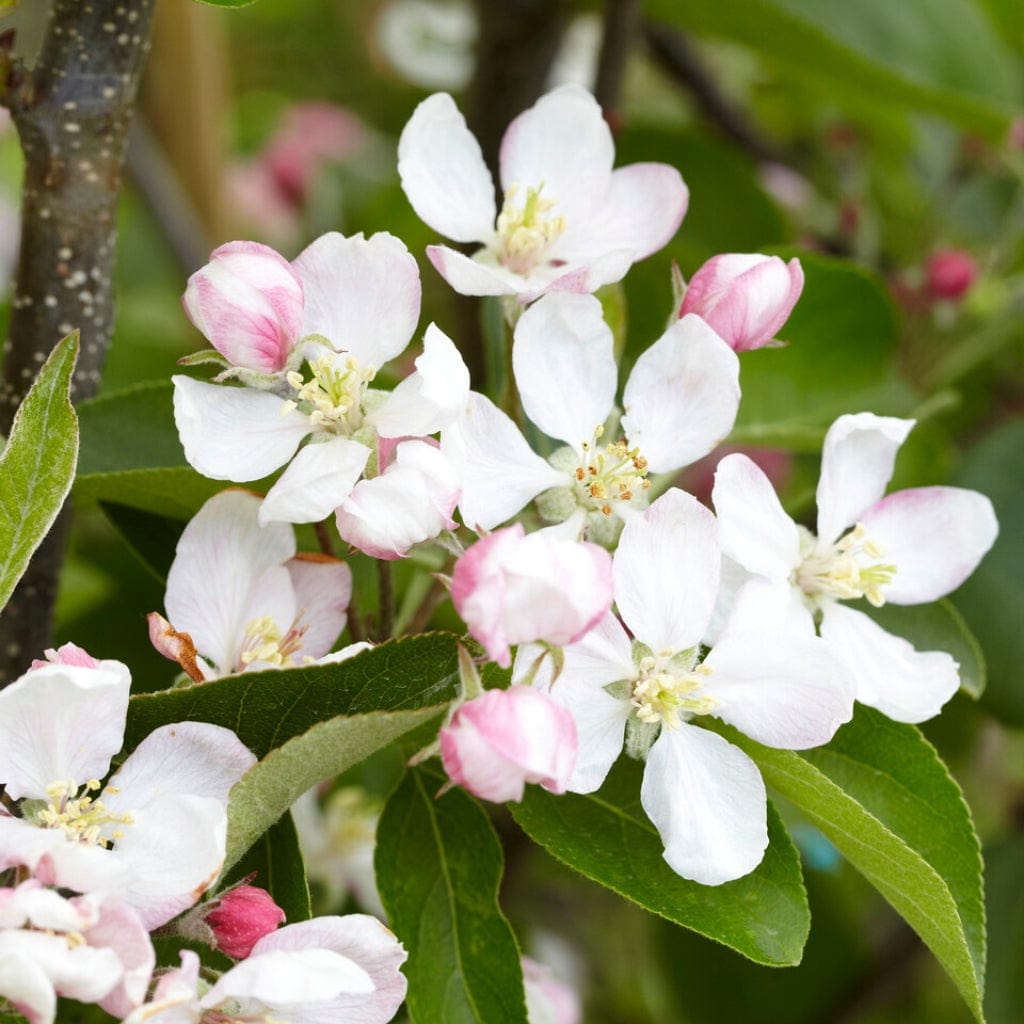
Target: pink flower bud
column 498, row 742
column 67, row 654
column 745, row 298
column 515, row 589
column 950, row 273
column 248, row 302
column 241, row 917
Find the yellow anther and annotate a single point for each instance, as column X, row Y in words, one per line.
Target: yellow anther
column 525, row 231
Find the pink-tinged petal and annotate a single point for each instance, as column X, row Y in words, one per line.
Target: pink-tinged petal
column 61, row 722
column 935, row 536
column 563, row 143
column 432, row 397
column 25, row 984
column 856, row 464
column 640, row 213
column 783, row 690
column 889, row 674
column 682, row 396
column 323, row 589
column 362, row 294
column 666, row 572
column 120, row 929
column 175, row 999
column 75, row 971
column 500, row 472
column 241, row 917
column 411, row 501
column 549, row 1000
column 746, row 298
column 759, row 604
column 443, row 172
column 227, row 572
column 366, row 942
column 708, row 802
column 178, row 646
column 318, row 480
column 66, row 654
column 499, row 741
column 564, row 366
column 581, row 278
column 753, row 528
column 231, row 433
column 480, row 276
column 512, row 589
column 248, row 302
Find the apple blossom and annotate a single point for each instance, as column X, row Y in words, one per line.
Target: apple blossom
column 326, row 969
column 241, row 917
column 568, row 222
column 910, row 547
column 499, row 741
column 746, row 298
column 641, row 680
column 240, row 598
column 154, row 834
column 361, row 304
column 549, row 1000
column 680, row 401
column 90, row 948
column 513, row 588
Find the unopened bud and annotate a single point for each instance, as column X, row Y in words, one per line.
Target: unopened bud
column 950, row 273
column 241, row 917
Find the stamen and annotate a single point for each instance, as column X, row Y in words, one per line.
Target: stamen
column 666, row 697
column 614, row 473
column 81, row 817
column 265, row 642
column 525, row 231
column 332, row 397
column 850, row 569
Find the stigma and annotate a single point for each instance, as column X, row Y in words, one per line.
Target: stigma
column 666, row 696
column 526, row 229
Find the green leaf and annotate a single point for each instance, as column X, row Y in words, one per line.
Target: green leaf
column 607, row 837
column 936, row 627
column 37, row 466
column 175, row 492
column 227, row 3
column 883, row 797
column 991, row 599
column 438, row 865
column 153, row 538
column 841, row 338
column 896, row 53
column 1004, row 877
column 277, row 863
column 267, row 709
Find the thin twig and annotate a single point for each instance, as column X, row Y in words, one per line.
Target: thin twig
column 621, row 25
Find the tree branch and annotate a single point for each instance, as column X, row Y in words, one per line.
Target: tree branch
column 72, row 112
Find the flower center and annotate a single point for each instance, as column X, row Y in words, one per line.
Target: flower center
column 668, row 696
column 849, row 569
column 332, row 397
column 265, row 642
column 606, row 475
column 526, row 229
column 81, row 817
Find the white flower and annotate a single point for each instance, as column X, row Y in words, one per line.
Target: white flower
column 910, row 547
column 568, row 223
column 680, row 401
column 154, row 834
column 90, row 948
column 240, row 597
column 648, row 685
column 329, row 969
column 361, row 305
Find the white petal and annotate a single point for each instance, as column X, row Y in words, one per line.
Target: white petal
column 410, row 502
column 889, row 674
column 784, row 690
column 120, row 929
column 280, row 978
column 856, row 464
column 935, row 536
column 682, row 395
column 708, row 802
column 323, row 589
column 231, row 433
column 564, row 366
column 640, row 213
column 760, row 604
column 443, row 172
column 500, row 472
column 362, row 294
column 61, row 722
column 56, row 859
column 666, row 572
column 480, row 276
column 563, row 143
column 228, row 570
column 318, row 480
column 24, row 982
column 429, row 399
column 753, row 528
